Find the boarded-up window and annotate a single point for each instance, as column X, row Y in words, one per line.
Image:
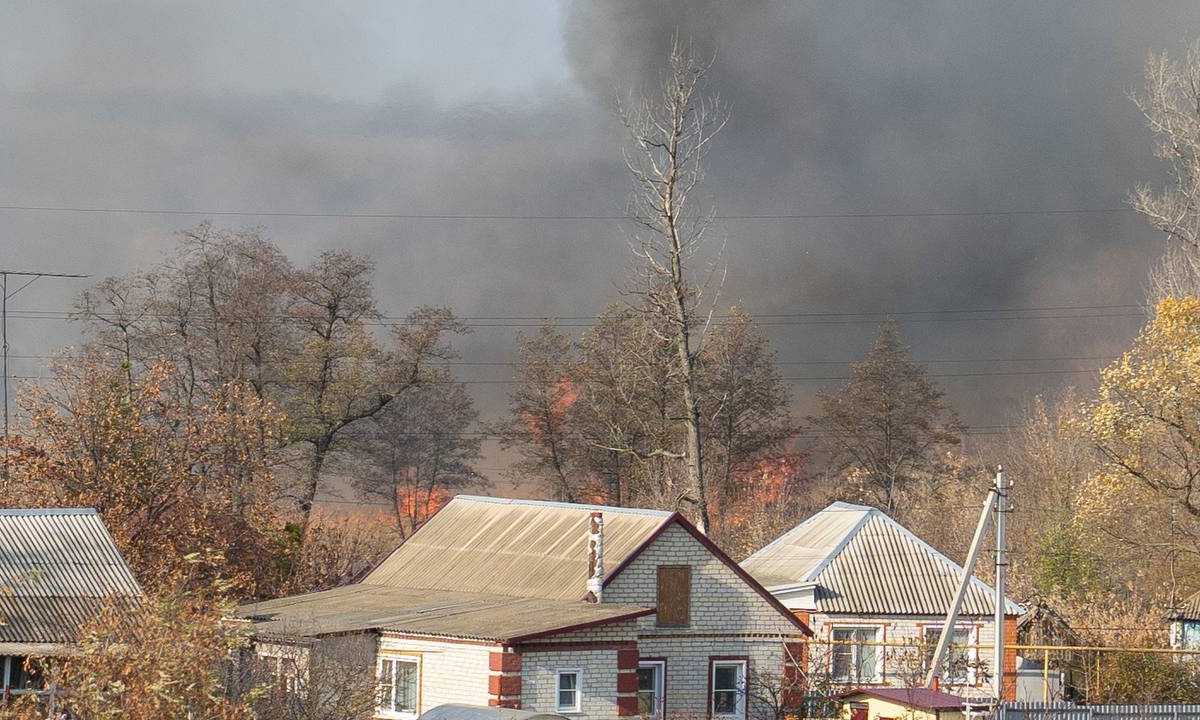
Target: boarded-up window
column 674, row 595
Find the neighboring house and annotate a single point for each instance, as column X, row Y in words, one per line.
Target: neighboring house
column 1185, row 624
column 57, row 570
column 900, row 704
column 877, row 595
column 586, row 611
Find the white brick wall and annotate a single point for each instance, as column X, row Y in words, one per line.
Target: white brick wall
column 450, row 672
column 902, row 629
column 599, row 687
column 726, row 614
column 721, row 600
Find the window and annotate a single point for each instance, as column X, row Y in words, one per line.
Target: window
column 652, row 676
column 728, row 688
column 674, row 607
column 960, row 658
column 568, row 689
column 854, row 659
column 399, row 686
column 14, row 676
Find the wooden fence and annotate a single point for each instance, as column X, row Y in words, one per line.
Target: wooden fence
column 1067, row 711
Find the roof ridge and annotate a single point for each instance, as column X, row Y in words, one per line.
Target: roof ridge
column 938, row 555
column 836, row 506
column 27, row 512
column 562, row 505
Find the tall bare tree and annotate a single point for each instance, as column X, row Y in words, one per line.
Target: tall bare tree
column 1171, row 105
column 670, row 135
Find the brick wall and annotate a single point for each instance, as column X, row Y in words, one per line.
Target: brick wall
column 910, row 629
column 721, row 600
column 539, row 668
column 728, row 618
column 450, row 672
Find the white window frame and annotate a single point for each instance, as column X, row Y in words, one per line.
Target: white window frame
column 740, row 712
column 660, row 686
column 972, row 652
column 558, row 675
column 854, row 662
column 388, row 712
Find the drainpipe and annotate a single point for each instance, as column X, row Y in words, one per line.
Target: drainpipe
column 595, row 581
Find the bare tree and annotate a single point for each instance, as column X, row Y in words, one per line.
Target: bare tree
column 540, row 403
column 1171, row 106
column 889, row 423
column 419, row 452
column 670, row 136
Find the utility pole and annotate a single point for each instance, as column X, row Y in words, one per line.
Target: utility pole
column 1002, row 509
column 4, row 296
column 939, row 654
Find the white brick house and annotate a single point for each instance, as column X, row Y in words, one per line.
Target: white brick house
column 876, row 598
column 497, row 602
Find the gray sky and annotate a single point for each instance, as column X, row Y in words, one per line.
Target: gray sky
column 507, row 108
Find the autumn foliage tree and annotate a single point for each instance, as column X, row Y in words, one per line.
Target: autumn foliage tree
column 229, row 313
column 169, row 478
column 1146, row 427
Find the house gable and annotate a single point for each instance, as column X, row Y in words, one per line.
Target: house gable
column 723, row 597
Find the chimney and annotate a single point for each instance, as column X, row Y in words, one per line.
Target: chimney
column 595, row 544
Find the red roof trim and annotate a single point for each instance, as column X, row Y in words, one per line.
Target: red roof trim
column 677, row 518
column 579, row 626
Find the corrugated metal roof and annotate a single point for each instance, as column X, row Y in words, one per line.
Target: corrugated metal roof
column 1189, row 610
column 862, row 561
column 57, row 568
column 527, row 548
column 477, row 616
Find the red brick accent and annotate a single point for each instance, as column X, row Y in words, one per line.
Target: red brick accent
column 504, row 685
column 792, row 692
column 514, row 703
column 627, row 658
column 627, row 682
column 627, row 705
column 504, row 662
column 1009, row 685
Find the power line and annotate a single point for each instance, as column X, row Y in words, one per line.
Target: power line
column 533, row 322
column 848, row 361
column 557, row 218
column 5, row 295
column 996, row 373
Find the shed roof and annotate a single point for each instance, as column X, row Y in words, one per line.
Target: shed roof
column 862, row 561
column 57, row 569
column 456, row 711
column 1188, row 610
column 477, row 616
column 529, row 548
column 920, row 698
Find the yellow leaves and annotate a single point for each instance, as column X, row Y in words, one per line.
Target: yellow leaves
column 1146, row 422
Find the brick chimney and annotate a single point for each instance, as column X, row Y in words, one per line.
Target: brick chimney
column 595, row 545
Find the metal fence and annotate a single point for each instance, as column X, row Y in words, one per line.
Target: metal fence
column 1067, row 711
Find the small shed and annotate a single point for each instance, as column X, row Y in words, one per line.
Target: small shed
column 900, row 704
column 458, row 711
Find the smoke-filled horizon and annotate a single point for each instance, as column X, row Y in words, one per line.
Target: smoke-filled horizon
column 879, row 158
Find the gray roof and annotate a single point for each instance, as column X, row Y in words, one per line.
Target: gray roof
column 1188, row 610
column 862, row 561
column 57, row 569
column 456, row 711
column 529, row 548
column 478, row 616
